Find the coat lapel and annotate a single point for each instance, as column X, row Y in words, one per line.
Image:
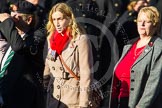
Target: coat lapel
column 125, row 50
column 148, row 48
column 68, row 51
column 143, row 54
column 127, row 47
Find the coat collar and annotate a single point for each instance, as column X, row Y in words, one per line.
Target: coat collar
column 147, row 49
column 68, row 51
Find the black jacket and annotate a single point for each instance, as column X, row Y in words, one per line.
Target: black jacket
column 21, row 87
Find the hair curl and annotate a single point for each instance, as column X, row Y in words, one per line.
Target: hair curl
column 67, row 13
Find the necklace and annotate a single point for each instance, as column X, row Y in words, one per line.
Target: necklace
column 138, row 51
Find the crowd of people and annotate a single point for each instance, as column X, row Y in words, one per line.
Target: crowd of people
column 51, row 52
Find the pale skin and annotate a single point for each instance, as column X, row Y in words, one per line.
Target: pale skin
column 59, row 21
column 145, row 29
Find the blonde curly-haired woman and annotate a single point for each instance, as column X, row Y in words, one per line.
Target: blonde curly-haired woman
column 68, row 45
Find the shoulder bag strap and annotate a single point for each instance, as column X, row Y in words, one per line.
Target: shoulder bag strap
column 69, row 70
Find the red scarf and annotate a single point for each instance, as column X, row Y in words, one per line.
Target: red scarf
column 59, row 42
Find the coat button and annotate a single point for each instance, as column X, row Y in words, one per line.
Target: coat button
column 116, row 4
column 135, row 20
column 130, row 14
column 132, row 71
column 117, row 14
column 80, row 4
column 85, row 26
column 58, row 86
column 61, row 68
column 53, row 67
column 132, row 80
column 84, row 15
column 132, row 89
column 57, row 96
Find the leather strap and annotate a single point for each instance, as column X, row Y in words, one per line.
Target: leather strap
column 69, row 70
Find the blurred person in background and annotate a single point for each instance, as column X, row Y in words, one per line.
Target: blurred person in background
column 126, row 25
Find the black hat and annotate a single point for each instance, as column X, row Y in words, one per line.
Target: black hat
column 25, row 7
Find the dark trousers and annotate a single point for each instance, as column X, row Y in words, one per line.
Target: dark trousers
column 119, row 103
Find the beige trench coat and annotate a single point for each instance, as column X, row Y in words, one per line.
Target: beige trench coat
column 72, row 93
